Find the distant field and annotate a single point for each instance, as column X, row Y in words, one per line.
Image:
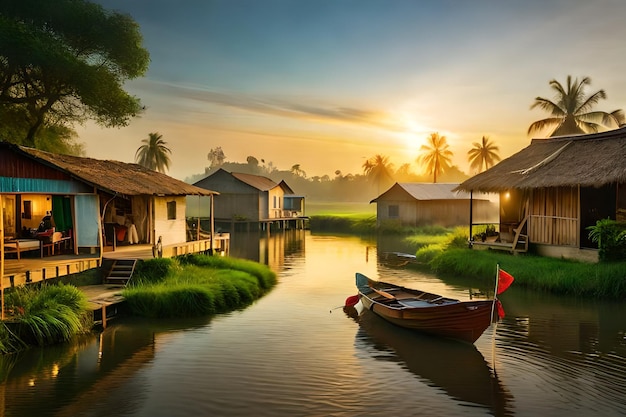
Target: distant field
column 339, row 209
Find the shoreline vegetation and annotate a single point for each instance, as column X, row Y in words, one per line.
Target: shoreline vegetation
column 190, row 285
column 196, row 285
column 445, row 252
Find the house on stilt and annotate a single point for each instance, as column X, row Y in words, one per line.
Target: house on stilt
column 554, row 189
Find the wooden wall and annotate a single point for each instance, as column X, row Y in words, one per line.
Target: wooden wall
column 554, row 216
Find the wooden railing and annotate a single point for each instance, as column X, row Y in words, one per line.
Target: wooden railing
column 553, row 230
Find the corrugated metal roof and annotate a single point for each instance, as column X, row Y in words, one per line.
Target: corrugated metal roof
column 256, row 181
column 431, row 191
column 586, row 160
column 114, row 176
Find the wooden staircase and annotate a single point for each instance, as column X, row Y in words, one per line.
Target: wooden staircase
column 121, row 272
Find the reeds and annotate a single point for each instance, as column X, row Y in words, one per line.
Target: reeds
column 557, row 276
column 198, row 285
column 43, row 315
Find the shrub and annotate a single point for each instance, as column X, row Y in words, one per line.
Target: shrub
column 153, row 270
column 48, row 314
column 610, row 236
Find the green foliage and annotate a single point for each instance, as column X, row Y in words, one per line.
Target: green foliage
column 353, row 224
column 64, row 62
column 265, row 276
column 47, row 314
column 200, row 285
column 153, row 270
column 558, row 276
column 154, row 154
column 610, row 236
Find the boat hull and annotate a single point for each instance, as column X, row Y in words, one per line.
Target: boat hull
column 461, row 320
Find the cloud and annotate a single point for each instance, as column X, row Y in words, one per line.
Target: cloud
column 294, row 108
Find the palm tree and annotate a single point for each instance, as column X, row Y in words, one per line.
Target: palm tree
column 485, row 153
column 153, row 154
column 571, row 111
column 436, row 155
column 378, row 169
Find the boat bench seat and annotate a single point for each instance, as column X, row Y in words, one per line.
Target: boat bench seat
column 414, row 303
column 425, row 303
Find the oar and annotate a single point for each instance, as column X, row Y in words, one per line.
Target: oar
column 383, row 293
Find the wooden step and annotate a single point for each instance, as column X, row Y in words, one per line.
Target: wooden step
column 121, row 272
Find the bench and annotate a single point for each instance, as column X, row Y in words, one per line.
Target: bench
column 519, row 244
column 18, row 246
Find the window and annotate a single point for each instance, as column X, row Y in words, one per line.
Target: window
column 394, row 211
column 171, row 210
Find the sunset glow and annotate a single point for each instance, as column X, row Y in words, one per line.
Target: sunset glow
column 325, row 84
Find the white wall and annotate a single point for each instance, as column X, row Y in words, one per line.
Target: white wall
column 171, row 231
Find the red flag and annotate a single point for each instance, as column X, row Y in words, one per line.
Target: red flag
column 500, row 309
column 504, row 281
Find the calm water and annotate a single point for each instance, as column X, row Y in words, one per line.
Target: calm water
column 292, row 354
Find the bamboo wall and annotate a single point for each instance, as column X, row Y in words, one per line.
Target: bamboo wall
column 554, row 214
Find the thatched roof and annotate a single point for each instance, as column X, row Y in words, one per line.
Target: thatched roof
column 586, row 160
column 114, row 176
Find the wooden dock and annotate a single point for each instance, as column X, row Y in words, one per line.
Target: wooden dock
column 105, row 301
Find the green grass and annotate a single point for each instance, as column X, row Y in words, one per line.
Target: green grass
column 357, row 209
column 451, row 257
column 43, row 315
column 558, row 276
column 197, row 285
column 360, row 224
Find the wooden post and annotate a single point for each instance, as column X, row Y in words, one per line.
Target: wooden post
column 2, row 258
column 212, row 217
column 471, row 215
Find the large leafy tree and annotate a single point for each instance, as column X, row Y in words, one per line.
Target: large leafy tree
column 297, row 171
column 483, row 154
column 154, row 154
column 571, row 111
column 435, row 155
column 64, row 62
column 216, row 157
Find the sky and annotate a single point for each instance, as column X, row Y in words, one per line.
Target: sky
column 327, row 84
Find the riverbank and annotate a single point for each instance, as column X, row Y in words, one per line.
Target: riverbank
column 451, row 257
column 192, row 285
column 445, row 252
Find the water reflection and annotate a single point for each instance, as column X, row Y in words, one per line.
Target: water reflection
column 459, row 369
column 70, row 379
column 268, row 248
column 286, row 355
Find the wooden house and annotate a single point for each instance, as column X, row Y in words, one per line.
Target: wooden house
column 252, row 198
column 554, row 189
column 90, row 202
column 419, row 204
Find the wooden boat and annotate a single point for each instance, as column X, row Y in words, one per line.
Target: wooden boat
column 459, row 369
column 427, row 312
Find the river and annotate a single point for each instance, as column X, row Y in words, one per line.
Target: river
column 293, row 353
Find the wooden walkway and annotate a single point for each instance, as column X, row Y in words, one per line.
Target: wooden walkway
column 106, row 299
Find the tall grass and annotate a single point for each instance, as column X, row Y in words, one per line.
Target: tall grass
column 449, row 255
column 559, row 276
column 362, row 224
column 44, row 315
column 198, row 285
